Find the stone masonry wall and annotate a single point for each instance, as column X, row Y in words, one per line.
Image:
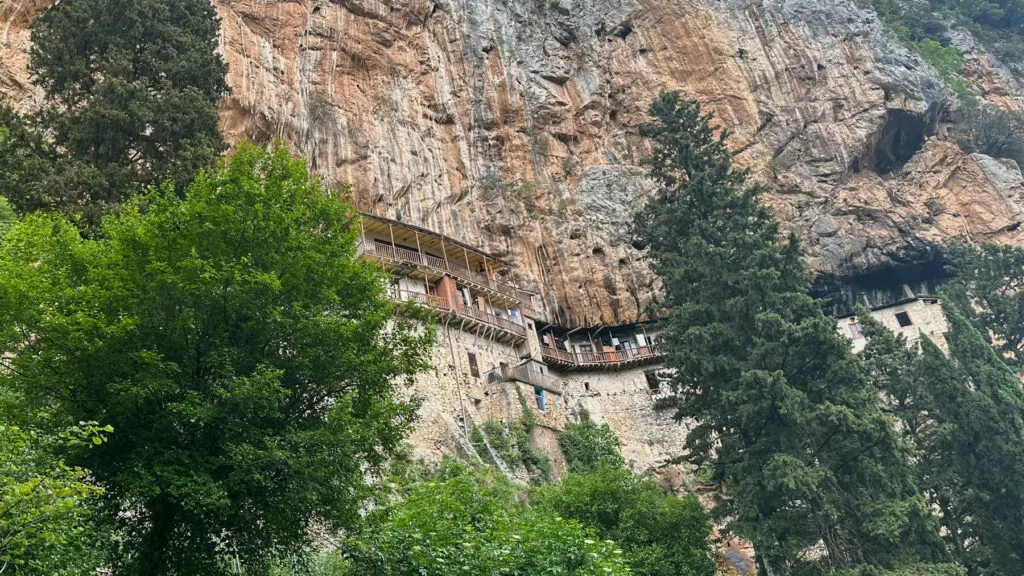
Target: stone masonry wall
column 624, row 401
column 926, row 315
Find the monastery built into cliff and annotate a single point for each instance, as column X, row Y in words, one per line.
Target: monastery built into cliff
column 497, row 354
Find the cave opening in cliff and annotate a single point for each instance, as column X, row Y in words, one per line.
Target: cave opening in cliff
column 882, row 286
column 901, row 136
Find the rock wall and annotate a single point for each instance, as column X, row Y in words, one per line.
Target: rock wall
column 624, row 401
column 511, row 123
column 455, row 399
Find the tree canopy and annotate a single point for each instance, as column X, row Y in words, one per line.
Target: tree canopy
column 784, row 414
column 250, row 362
column 46, row 505
column 132, row 88
column 585, row 444
column 660, row 534
column 472, row 523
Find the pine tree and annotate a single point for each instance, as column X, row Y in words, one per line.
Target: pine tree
column 133, row 87
column 784, row 414
column 987, row 289
column 963, row 416
column 984, row 408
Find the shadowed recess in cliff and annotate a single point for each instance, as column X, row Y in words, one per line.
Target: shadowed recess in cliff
column 900, row 137
column 880, row 287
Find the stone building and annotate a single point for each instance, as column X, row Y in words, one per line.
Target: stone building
column 912, row 318
column 496, row 356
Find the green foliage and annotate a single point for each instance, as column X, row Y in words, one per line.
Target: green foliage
column 528, row 420
column 661, row 535
column 330, row 563
column 911, row 570
column 585, row 445
column 786, row 418
column 988, row 287
column 964, row 416
column 133, row 87
column 472, row 523
column 249, row 360
column 980, row 401
column 986, row 129
column 7, row 217
column 27, row 164
column 513, row 445
column 997, row 24
column 45, row 504
column 925, row 32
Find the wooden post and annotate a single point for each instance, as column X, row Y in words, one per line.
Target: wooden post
column 392, row 232
column 418, row 249
column 445, row 254
column 466, row 254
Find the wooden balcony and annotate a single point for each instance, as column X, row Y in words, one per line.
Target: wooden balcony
column 467, row 317
column 617, row 360
column 396, row 258
column 526, row 374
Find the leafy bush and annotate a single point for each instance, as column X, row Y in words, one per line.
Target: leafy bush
column 660, row 534
column 585, row 444
column 46, row 505
column 512, row 444
column 474, row 524
column 991, row 131
column 331, row 563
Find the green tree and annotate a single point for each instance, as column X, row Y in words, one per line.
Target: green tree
column 45, row 505
column 249, row 359
column 785, row 416
column 7, row 217
column 982, row 402
column 964, row 415
column 988, row 130
column 905, row 376
column 27, row 163
column 661, row 535
column 472, row 523
column 988, row 287
column 585, row 444
column 133, row 87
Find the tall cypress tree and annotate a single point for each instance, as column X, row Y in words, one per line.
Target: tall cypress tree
column 133, row 87
column 963, row 416
column 985, row 411
column 785, row 417
column 987, row 290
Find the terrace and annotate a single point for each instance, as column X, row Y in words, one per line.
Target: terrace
column 411, row 250
column 467, row 317
column 605, row 360
column 526, row 374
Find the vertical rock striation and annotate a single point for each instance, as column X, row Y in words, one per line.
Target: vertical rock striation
column 511, row 123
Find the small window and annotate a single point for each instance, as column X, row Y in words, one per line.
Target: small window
column 903, row 319
column 542, row 404
column 855, row 330
column 586, row 386
column 473, row 368
column 653, row 382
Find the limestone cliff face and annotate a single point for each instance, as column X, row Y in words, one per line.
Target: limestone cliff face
column 511, row 123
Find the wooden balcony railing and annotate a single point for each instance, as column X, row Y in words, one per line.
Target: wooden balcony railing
column 617, row 358
column 398, row 254
column 460, row 309
column 527, row 374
